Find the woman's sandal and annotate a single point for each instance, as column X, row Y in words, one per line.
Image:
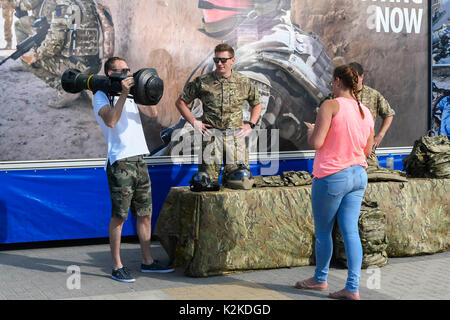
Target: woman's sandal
column 344, row 295
column 308, row 286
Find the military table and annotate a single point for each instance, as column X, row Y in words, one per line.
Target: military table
column 211, row 233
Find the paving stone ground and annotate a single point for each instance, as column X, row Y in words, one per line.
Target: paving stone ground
column 51, row 273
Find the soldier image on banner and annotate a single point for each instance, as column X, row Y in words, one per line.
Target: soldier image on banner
column 290, row 67
column 8, row 15
column 80, row 33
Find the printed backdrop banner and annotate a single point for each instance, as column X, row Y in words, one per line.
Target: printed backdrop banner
column 288, row 48
column 440, row 35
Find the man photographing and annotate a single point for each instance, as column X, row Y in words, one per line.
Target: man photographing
column 128, row 178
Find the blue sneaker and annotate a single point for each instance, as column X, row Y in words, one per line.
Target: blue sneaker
column 156, row 267
column 122, row 275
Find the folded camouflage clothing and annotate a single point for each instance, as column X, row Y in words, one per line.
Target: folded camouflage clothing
column 289, row 178
column 430, row 158
column 297, row 178
column 268, row 181
column 372, row 231
column 377, row 173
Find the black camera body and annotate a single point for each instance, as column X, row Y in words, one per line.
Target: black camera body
column 147, row 90
column 114, row 87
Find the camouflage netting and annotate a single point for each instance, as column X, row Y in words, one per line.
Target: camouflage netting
column 417, row 215
column 430, row 158
column 232, row 230
column 372, row 232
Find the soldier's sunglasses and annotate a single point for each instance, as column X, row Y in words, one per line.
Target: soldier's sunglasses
column 223, row 60
column 122, row 71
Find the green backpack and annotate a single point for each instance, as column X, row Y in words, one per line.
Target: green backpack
column 372, row 232
column 430, row 158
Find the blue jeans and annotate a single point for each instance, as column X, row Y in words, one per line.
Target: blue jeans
column 339, row 195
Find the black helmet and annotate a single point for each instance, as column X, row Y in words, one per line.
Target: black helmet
column 201, row 181
column 239, row 178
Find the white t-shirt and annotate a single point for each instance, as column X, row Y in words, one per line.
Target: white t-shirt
column 127, row 138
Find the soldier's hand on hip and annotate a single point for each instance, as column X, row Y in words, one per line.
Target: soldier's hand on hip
column 202, row 127
column 244, row 131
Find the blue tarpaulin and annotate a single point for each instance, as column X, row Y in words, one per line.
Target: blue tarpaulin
column 62, row 204
column 74, row 203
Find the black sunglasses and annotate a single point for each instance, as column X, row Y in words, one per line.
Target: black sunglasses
column 223, row 60
column 123, row 71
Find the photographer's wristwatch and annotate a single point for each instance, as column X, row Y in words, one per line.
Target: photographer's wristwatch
column 252, row 125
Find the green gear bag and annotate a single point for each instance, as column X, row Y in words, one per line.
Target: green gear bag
column 372, row 232
column 430, row 158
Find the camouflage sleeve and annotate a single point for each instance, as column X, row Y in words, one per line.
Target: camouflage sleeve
column 253, row 97
column 384, row 109
column 55, row 39
column 29, row 4
column 190, row 91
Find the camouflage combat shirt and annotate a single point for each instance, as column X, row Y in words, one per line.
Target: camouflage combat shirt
column 375, row 102
column 222, row 98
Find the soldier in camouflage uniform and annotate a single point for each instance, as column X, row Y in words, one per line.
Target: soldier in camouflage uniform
column 8, row 13
column 74, row 40
column 222, row 93
column 23, row 26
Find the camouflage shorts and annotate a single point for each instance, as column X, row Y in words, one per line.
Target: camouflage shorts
column 130, row 188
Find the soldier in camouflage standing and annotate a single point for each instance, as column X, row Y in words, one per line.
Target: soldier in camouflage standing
column 378, row 106
column 8, row 13
column 222, row 93
column 79, row 37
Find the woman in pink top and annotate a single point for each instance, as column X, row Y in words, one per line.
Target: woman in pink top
column 342, row 138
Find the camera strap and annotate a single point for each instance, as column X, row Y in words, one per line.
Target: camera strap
column 111, row 100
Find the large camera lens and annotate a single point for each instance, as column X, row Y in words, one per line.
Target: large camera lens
column 147, row 90
column 74, row 81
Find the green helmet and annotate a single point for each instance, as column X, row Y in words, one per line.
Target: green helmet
column 240, row 178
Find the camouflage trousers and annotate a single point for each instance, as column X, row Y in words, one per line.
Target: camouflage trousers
column 50, row 69
column 8, row 14
column 222, row 148
column 130, row 188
